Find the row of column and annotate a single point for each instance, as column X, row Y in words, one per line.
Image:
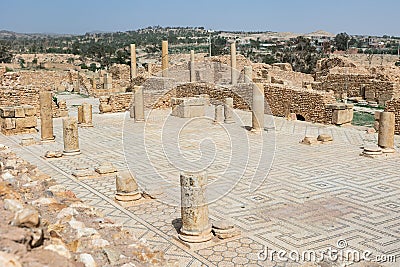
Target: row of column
column 70, row 124
column 164, row 64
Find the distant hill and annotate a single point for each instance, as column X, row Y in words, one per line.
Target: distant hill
column 5, row 34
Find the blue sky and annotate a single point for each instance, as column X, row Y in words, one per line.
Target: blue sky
column 301, row 16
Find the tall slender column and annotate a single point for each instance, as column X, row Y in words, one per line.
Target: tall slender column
column 46, row 116
column 133, row 61
column 248, row 74
column 164, row 66
column 70, row 135
column 86, row 115
column 233, row 64
column 139, row 103
column 218, row 117
column 192, row 72
column 258, row 107
column 228, row 110
column 196, row 225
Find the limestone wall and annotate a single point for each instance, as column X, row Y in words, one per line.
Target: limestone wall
column 358, row 85
column 121, row 76
column 394, row 106
column 18, row 120
column 116, row 102
column 311, row 104
column 28, row 95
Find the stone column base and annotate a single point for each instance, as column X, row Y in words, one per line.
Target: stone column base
column 85, row 125
column 206, row 235
column 126, row 197
column 48, row 140
column 71, row 153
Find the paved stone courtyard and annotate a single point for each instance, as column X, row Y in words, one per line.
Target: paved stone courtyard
column 281, row 194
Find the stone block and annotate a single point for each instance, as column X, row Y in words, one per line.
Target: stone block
column 27, row 122
column 104, row 108
column 28, row 141
column 105, row 168
column 340, row 116
column 29, row 110
column 188, row 107
column 19, row 112
column 8, row 123
column 7, row 112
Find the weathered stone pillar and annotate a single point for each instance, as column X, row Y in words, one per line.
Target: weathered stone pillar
column 192, row 72
column 218, row 117
column 164, row 65
column 70, row 135
column 80, row 114
column 133, row 61
column 86, row 115
column 386, row 131
column 258, row 107
column 139, row 103
column 46, row 116
column 107, row 81
column 127, row 188
column 228, row 110
column 248, row 74
column 132, row 110
column 233, row 64
column 196, row 225
column 268, row 78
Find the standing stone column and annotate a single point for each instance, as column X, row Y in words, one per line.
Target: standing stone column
column 233, row 64
column 139, row 103
column 228, row 110
column 164, row 65
column 86, row 115
column 192, row 72
column 248, row 74
column 386, row 131
column 196, row 225
column 80, row 114
column 133, row 61
column 268, row 78
column 107, row 81
column 218, row 117
column 70, row 135
column 46, row 116
column 258, row 107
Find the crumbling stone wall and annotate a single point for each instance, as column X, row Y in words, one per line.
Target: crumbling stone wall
column 394, row 106
column 294, row 78
column 115, row 102
column 311, row 104
column 18, row 120
column 121, row 76
column 219, row 93
column 358, row 85
column 28, row 95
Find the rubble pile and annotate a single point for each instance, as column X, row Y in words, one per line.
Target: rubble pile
column 44, row 224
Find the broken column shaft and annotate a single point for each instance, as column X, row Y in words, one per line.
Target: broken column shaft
column 196, row 225
column 70, row 135
column 139, row 103
column 46, row 116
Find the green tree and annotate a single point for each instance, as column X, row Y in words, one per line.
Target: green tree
column 5, row 53
column 341, row 40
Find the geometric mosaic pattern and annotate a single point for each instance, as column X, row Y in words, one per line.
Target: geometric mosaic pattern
column 312, row 197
